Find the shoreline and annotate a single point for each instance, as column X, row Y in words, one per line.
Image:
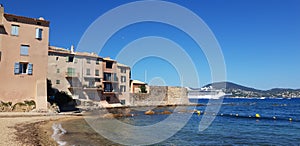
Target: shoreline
column 29, row 128
column 33, row 128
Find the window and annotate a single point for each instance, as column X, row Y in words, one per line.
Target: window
column 15, row 30
column 97, row 79
column 98, row 61
column 123, row 70
column 88, row 61
column 23, row 68
column 88, row 71
column 96, row 72
column 107, row 77
column 122, row 88
column 57, row 70
column 70, row 58
column 115, row 77
column 71, row 71
column 38, row 33
column 108, row 87
column 57, row 81
column 109, row 64
column 24, row 50
column 123, row 79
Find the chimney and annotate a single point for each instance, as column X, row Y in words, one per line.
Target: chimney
column 72, row 49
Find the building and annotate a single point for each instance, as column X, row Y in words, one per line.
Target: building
column 136, row 86
column 23, row 59
column 87, row 76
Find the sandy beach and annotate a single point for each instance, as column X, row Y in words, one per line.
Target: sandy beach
column 28, row 128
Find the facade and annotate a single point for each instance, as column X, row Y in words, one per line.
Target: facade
column 136, row 86
column 23, row 59
column 86, row 76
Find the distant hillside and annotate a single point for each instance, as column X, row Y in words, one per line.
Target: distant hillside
column 231, row 86
column 242, row 91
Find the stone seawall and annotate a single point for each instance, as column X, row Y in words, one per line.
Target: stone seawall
column 159, row 95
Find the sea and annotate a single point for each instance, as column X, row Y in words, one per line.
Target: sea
column 237, row 121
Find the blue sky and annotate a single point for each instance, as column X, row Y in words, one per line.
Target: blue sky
column 260, row 39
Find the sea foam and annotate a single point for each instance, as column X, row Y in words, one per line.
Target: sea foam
column 57, row 132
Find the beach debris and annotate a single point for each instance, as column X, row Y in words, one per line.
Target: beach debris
column 149, row 112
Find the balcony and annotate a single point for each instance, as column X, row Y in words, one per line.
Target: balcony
column 110, row 88
column 92, row 87
column 71, row 75
column 75, row 86
column 110, row 77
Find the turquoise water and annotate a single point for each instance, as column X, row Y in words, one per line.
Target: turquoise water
column 235, row 124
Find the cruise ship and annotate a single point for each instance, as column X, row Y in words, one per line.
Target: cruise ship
column 205, row 93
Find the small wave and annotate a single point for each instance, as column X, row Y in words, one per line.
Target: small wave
column 57, row 132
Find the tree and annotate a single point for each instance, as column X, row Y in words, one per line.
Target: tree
column 143, row 89
column 50, row 90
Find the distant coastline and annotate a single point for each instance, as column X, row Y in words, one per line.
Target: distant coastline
column 242, row 91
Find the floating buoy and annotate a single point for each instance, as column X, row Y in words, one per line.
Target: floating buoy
column 290, row 119
column 257, row 116
column 221, row 114
column 274, row 118
column 199, row 113
column 236, row 115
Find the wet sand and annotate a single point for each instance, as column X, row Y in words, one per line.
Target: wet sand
column 29, row 130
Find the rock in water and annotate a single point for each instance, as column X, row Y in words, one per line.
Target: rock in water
column 149, row 112
column 166, row 112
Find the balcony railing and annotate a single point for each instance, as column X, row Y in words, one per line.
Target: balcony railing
column 71, row 74
column 92, row 87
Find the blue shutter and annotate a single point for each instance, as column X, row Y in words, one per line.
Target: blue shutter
column 14, row 30
column 38, row 33
column 30, row 67
column 17, row 68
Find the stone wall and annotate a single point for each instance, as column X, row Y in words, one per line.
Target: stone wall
column 159, row 95
column 177, row 95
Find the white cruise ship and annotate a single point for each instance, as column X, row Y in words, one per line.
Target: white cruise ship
column 205, row 93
